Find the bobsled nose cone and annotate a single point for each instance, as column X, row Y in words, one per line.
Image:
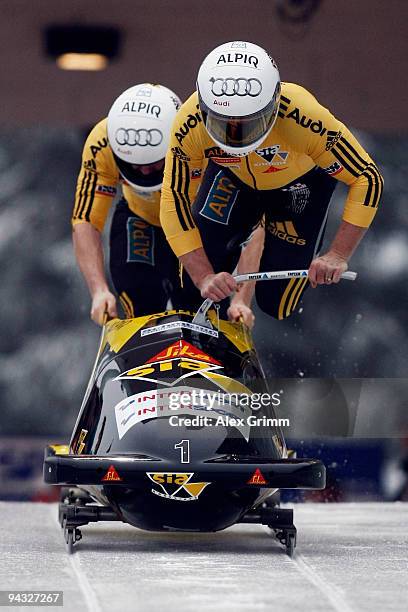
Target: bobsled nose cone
column 202, row 507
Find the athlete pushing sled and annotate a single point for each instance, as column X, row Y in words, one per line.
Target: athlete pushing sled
column 267, row 155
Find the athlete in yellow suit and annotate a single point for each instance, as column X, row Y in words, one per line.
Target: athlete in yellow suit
column 259, row 148
column 127, row 148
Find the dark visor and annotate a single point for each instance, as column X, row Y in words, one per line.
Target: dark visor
column 134, row 175
column 240, row 131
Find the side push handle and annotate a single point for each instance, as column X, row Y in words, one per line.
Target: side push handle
column 201, row 314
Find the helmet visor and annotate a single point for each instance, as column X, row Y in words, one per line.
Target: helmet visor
column 141, row 175
column 238, row 132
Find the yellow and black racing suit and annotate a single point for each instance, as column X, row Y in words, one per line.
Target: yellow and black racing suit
column 143, row 268
column 289, row 180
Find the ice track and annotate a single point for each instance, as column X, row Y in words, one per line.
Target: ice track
column 350, row 557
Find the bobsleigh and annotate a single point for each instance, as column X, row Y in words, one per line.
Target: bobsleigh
column 164, row 441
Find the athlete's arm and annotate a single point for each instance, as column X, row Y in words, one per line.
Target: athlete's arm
column 96, row 187
column 211, row 285
column 329, row 267
column 184, row 158
column 248, row 262
column 184, row 164
column 336, row 150
column 89, row 255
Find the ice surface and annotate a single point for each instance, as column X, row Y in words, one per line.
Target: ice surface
column 350, row 557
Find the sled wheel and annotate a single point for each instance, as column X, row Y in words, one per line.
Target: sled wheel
column 69, row 540
column 290, row 544
column 65, row 495
column 72, row 535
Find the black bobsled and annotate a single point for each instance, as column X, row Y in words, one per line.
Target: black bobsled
column 167, row 438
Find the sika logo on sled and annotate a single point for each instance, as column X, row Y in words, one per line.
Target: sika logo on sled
column 176, row 486
column 181, row 348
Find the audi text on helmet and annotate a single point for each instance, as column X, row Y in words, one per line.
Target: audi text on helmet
column 141, row 138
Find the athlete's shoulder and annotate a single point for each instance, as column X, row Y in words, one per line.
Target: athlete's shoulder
column 97, row 139
column 187, row 119
column 296, row 96
column 300, row 115
column 188, row 122
column 97, row 154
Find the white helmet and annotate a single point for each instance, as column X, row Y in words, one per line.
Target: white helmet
column 239, row 90
column 139, row 123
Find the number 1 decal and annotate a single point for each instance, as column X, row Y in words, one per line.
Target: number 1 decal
column 184, row 447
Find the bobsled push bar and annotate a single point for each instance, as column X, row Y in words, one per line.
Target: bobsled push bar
column 71, row 470
column 201, row 315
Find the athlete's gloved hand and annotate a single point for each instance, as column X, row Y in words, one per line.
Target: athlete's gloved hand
column 239, row 311
column 327, row 269
column 103, row 301
column 217, row 286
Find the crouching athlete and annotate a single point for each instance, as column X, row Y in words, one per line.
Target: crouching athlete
column 128, row 148
column 264, row 155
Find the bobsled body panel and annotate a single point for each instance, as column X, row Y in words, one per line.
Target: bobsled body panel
column 149, row 396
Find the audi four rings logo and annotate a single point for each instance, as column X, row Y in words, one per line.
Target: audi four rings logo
column 138, row 138
column 236, row 87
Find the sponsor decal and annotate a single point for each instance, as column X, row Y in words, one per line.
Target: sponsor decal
column 285, row 230
column 167, row 313
column 111, row 475
column 142, row 108
column 296, row 274
column 333, row 169
column 181, row 348
column 332, row 138
column 179, row 325
column 140, row 241
column 89, row 164
column 196, row 173
column 178, row 400
column 221, row 103
column 273, row 155
column 316, row 127
column 101, row 144
column 257, row 478
column 144, row 91
column 220, row 200
column 220, row 157
column 138, row 138
column 300, row 195
column 106, row 190
column 80, row 445
column 150, row 370
column 191, row 122
column 260, row 276
column 240, row 87
column 272, row 169
column 178, row 152
column 238, row 58
column 176, row 486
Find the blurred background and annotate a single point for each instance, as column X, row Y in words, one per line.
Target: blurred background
column 342, row 359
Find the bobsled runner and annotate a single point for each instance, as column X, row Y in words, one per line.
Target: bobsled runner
column 168, row 437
